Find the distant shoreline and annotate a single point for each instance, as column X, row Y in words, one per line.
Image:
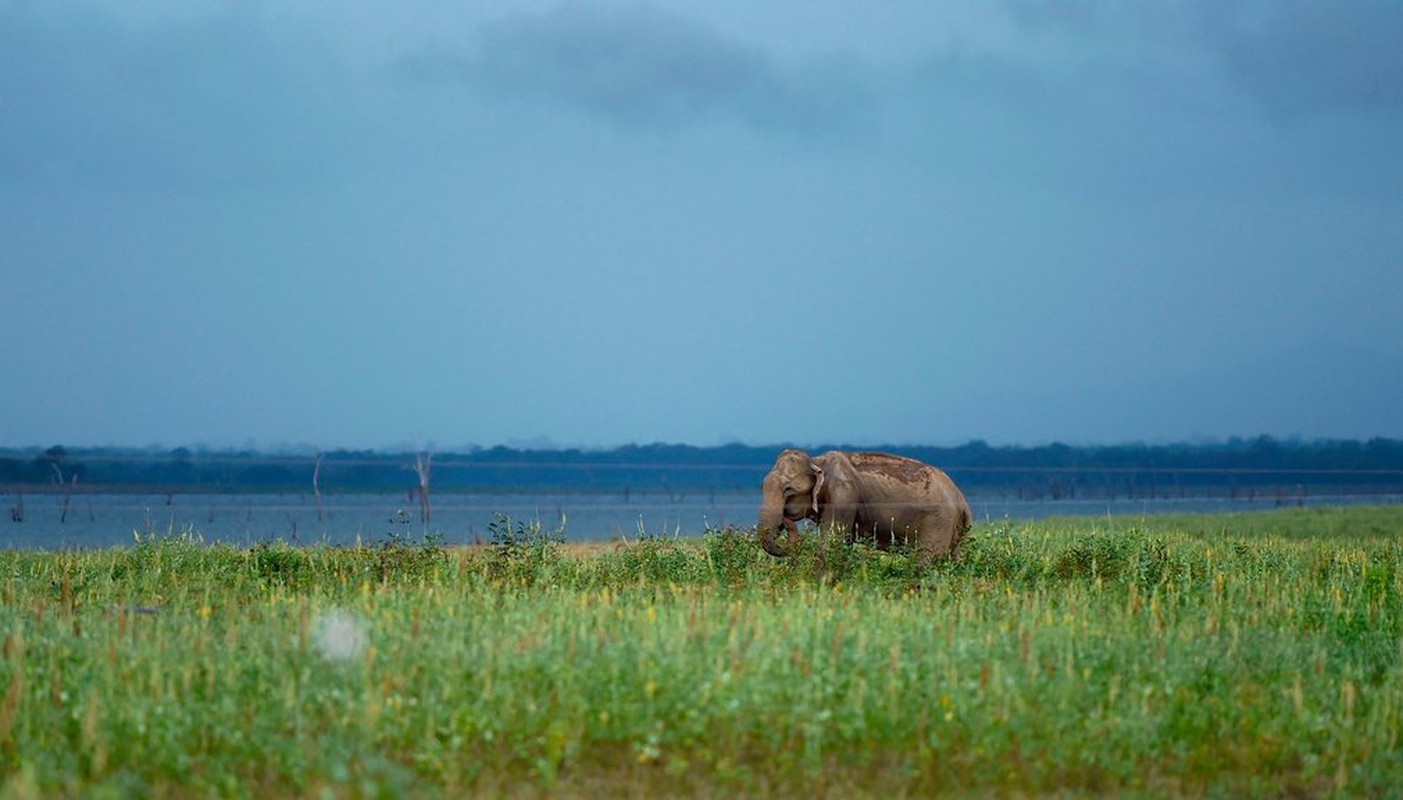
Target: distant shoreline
column 1235, row 468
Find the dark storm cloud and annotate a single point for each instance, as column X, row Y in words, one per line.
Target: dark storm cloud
column 645, row 66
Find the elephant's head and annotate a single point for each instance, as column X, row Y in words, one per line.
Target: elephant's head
column 789, row 494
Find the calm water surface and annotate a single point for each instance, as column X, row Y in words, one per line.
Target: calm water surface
column 107, row 520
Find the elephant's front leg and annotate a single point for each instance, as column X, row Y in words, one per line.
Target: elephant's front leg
column 839, row 520
column 833, row 526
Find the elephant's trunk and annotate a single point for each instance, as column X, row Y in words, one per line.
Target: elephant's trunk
column 771, row 522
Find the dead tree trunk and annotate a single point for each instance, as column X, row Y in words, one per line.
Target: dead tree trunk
column 423, row 462
column 67, row 498
column 316, row 484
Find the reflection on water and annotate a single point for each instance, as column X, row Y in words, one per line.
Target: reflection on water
column 105, row 520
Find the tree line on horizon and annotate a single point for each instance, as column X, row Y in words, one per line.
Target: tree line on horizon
column 1238, row 465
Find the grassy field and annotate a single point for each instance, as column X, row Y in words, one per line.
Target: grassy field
column 1167, row 656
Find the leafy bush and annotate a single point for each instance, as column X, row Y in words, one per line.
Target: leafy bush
column 660, row 561
column 408, row 561
column 522, row 553
column 730, row 553
column 1095, row 555
column 281, row 565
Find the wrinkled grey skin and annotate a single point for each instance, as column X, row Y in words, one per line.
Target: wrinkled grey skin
column 874, row 497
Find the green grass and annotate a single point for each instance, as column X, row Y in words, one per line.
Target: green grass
column 1226, row 655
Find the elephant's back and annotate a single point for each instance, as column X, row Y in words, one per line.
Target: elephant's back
column 937, row 485
column 906, row 470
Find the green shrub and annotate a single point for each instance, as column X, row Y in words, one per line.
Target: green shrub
column 523, row 553
column 281, row 565
column 731, row 554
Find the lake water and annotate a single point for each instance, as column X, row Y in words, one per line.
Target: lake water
column 106, row 520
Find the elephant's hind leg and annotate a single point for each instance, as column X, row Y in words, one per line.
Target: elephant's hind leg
column 940, row 538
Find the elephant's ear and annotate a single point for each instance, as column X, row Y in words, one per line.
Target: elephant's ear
column 818, row 485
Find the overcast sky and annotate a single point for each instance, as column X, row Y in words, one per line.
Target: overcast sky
column 341, row 223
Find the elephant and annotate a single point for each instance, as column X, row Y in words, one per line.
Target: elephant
column 876, row 497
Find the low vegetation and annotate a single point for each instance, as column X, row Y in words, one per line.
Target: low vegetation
column 1166, row 656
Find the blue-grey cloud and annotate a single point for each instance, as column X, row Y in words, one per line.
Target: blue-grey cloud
column 1198, row 100
column 89, row 101
column 1292, row 57
column 1310, row 56
column 645, row 66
